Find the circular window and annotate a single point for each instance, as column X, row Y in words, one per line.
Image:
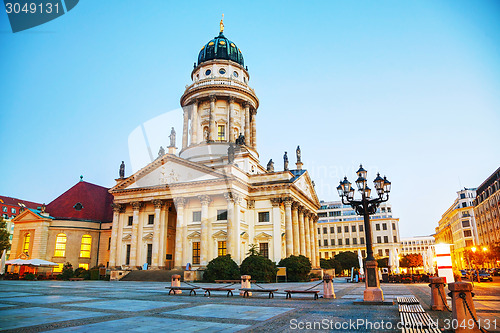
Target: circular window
column 208, row 72
column 211, row 43
column 222, row 42
column 235, row 74
column 222, row 71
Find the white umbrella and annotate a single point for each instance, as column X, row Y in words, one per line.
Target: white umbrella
column 430, row 260
column 390, row 263
column 2, row 262
column 360, row 259
column 31, row 262
column 424, row 259
column 397, row 260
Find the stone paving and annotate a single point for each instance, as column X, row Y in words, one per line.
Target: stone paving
column 100, row 306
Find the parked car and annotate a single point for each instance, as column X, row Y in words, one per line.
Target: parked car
column 495, row 272
column 464, row 273
column 483, row 276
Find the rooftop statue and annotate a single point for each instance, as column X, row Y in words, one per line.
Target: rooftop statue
column 285, row 161
column 270, row 166
column 172, row 138
column 122, row 170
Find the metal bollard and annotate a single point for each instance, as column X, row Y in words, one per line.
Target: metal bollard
column 438, row 298
column 176, row 282
column 328, row 291
column 464, row 313
column 245, row 283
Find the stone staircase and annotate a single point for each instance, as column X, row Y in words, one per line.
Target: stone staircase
column 153, row 275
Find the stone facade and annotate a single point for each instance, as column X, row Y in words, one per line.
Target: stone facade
column 487, row 210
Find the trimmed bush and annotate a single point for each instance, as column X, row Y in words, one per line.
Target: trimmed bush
column 222, row 268
column 82, row 273
column 259, row 267
column 297, row 267
column 67, row 271
column 29, row 276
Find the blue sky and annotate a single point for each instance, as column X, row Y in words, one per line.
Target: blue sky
column 408, row 88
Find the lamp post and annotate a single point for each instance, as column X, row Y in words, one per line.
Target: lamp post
column 366, row 207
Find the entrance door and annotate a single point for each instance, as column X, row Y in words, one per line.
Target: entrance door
column 150, row 254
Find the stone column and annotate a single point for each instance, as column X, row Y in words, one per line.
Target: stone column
column 205, row 200
column 313, row 234
column 185, row 128
column 230, row 223
column 114, row 234
column 302, row 231
column 295, row 229
column 254, row 129
column 194, row 123
column 308, row 234
column 276, row 220
column 247, row 123
column 235, row 254
column 230, row 125
column 288, row 226
column 179, row 239
column 135, row 235
column 156, row 234
column 212, row 128
column 316, row 251
column 163, row 244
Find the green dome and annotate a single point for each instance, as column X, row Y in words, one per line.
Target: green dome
column 220, row 48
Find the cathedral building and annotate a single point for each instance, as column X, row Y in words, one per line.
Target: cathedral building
column 213, row 197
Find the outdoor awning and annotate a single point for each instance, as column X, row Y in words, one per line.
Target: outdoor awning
column 30, row 262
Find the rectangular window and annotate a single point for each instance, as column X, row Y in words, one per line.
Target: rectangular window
column 346, row 228
column 325, row 242
column 361, row 240
column 384, row 226
column 221, row 248
column 466, row 224
column 394, row 226
column 379, row 239
column 467, row 233
column 380, row 253
column 109, row 243
column 221, row 132
column 84, row 266
column 264, row 249
column 197, row 216
column 332, row 241
column 361, row 227
column 86, row 246
column 355, row 241
column 353, row 228
column 395, row 239
column 332, row 230
column 319, row 242
column 221, row 214
column 13, row 210
column 263, row 216
column 340, row 241
column 325, row 230
column 151, row 219
column 4, row 209
column 386, row 239
column 127, row 259
column 196, row 253
column 387, row 252
column 363, row 253
column 319, row 231
column 149, row 254
column 347, row 241
column 58, row 269
column 130, row 220
column 377, row 226
column 468, row 242
column 339, row 230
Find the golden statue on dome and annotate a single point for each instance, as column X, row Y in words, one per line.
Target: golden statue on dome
column 222, row 24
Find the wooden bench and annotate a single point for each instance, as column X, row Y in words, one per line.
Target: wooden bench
column 208, row 290
column 252, row 290
column 290, row 292
column 192, row 290
column 76, row 279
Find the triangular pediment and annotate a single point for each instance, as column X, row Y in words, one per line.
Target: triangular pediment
column 194, row 235
column 168, row 170
column 29, row 216
column 304, row 184
column 263, row 236
column 221, row 235
column 127, row 237
column 148, row 236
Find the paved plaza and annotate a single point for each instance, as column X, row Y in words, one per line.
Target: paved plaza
column 100, row 306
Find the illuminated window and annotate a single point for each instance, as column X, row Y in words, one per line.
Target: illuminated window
column 84, row 266
column 60, row 246
column 221, row 132
column 58, row 269
column 86, row 245
column 196, row 253
column 26, row 243
column 264, row 249
column 221, row 247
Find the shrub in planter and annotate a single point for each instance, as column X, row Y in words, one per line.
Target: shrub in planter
column 259, row 268
column 67, row 271
column 82, row 273
column 222, row 268
column 297, row 267
column 29, row 276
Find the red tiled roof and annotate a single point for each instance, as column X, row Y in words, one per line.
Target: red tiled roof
column 95, row 200
column 15, row 202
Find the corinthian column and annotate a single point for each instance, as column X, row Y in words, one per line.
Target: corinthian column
column 288, row 226
column 156, row 234
column 302, row 231
column 179, row 206
column 194, row 123
column 254, row 129
column 136, row 206
column 185, row 128
column 276, row 220
column 295, row 229
column 308, row 234
column 230, row 125
column 314, row 238
column 205, row 200
column 212, row 126
column 117, row 208
column 247, row 123
column 230, row 221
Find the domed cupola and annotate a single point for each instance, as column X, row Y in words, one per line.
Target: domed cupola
column 220, row 48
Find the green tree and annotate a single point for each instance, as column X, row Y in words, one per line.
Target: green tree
column 4, row 236
column 297, row 267
column 383, row 262
column 325, row 263
column 222, row 268
column 259, row 268
column 411, row 261
column 347, row 260
column 253, row 250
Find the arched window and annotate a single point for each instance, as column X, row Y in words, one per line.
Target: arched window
column 26, row 243
column 60, row 246
column 86, row 245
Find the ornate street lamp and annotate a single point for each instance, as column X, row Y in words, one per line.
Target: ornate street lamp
column 366, row 207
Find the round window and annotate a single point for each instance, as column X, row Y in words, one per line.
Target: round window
column 235, row 74
column 208, row 72
column 222, row 71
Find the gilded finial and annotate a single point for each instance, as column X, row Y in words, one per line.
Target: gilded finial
column 222, row 24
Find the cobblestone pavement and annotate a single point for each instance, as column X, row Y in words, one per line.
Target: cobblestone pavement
column 100, row 306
